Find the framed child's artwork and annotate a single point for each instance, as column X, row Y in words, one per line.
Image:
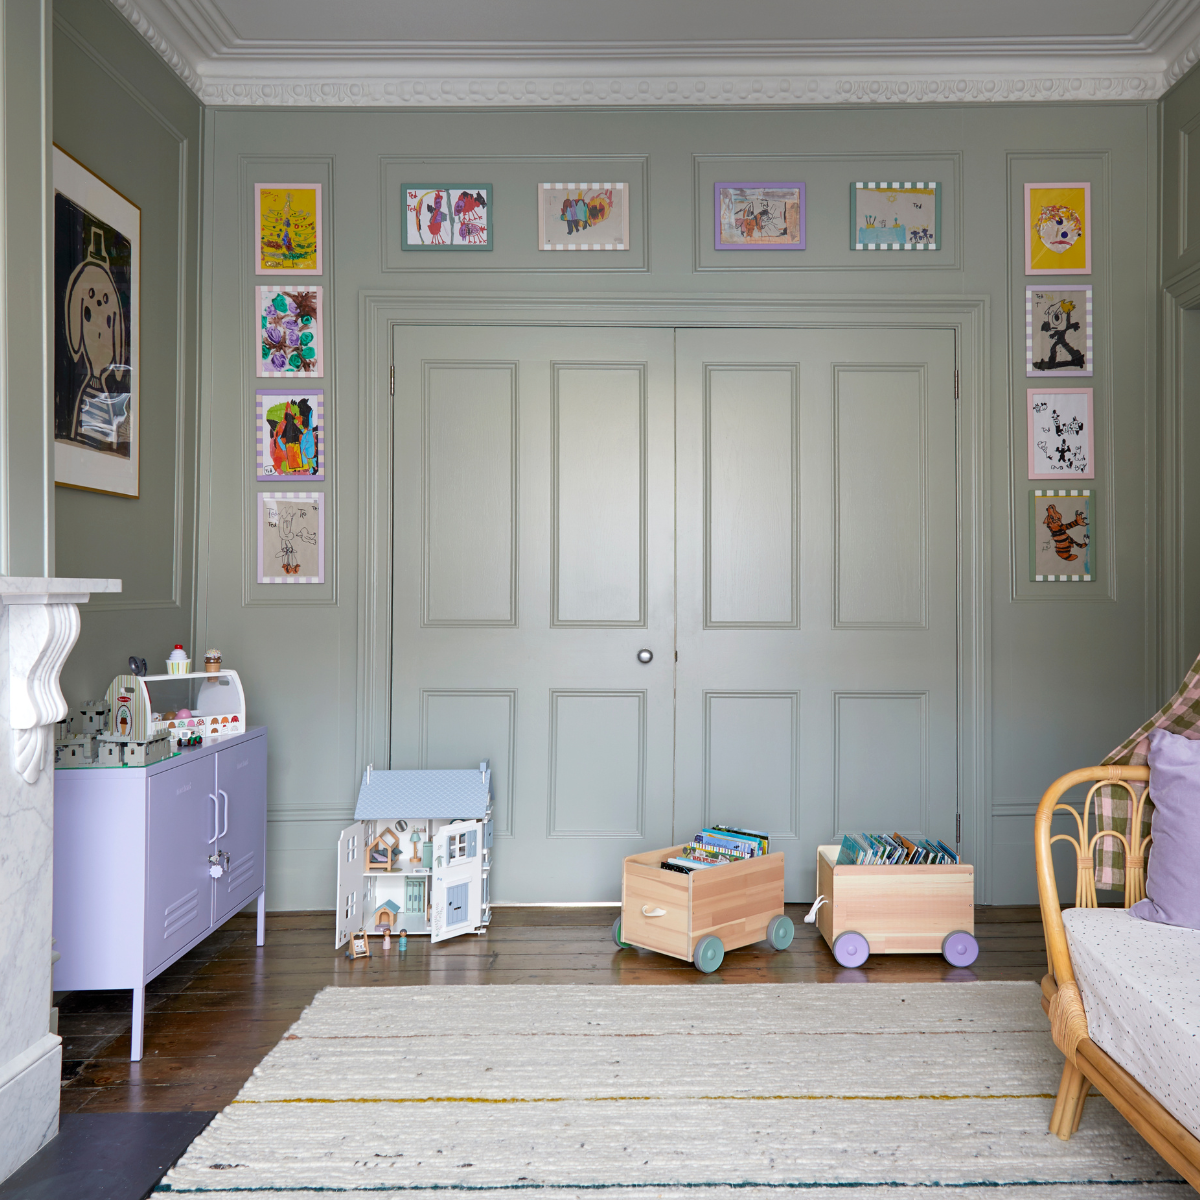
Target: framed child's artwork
column 289, row 331
column 291, row 537
column 583, row 216
column 97, row 376
column 1060, row 535
column 1061, row 444
column 895, row 216
column 758, row 216
column 439, row 216
column 1058, row 229
column 1058, row 330
column 287, row 225
column 290, row 434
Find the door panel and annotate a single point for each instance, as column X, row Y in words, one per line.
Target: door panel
column 599, row 504
column 750, row 487
column 880, row 534
column 242, row 790
column 817, row 624
column 180, row 835
column 470, row 477
column 534, row 527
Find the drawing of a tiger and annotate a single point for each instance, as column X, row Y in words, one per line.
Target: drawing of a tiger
column 1063, row 541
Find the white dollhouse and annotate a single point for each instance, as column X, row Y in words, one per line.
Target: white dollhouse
column 418, row 855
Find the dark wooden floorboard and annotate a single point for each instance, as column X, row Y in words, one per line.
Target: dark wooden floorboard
column 214, row 1015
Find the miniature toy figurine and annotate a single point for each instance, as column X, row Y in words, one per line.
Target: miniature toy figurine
column 402, row 940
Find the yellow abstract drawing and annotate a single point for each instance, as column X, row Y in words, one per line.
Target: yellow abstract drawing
column 289, row 227
column 1058, row 236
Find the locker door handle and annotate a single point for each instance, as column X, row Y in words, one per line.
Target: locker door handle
column 216, row 818
column 647, row 911
column 225, row 829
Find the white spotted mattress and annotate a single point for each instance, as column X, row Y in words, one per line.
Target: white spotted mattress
column 1140, row 983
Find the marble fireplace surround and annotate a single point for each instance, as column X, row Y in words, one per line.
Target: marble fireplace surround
column 39, row 624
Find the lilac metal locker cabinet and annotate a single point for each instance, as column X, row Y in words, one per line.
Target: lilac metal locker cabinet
column 134, row 852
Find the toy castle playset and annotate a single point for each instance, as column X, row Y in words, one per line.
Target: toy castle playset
column 417, row 858
column 124, row 729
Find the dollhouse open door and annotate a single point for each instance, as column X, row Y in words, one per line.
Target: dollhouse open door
column 457, row 889
column 351, row 903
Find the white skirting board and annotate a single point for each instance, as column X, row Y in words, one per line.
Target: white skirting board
column 29, row 1086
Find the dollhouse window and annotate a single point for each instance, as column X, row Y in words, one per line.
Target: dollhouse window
column 456, row 904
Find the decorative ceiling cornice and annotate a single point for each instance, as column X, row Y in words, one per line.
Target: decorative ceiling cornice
column 528, row 89
column 159, row 42
column 193, row 39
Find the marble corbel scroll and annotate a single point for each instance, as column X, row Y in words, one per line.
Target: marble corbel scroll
column 42, row 619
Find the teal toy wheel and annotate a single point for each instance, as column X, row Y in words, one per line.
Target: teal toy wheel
column 780, row 932
column 616, row 935
column 709, row 954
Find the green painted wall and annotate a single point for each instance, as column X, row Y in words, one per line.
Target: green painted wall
column 1072, row 667
column 125, row 115
column 26, row 466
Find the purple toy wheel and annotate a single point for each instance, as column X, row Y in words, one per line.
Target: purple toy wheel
column 851, row 949
column 959, row 948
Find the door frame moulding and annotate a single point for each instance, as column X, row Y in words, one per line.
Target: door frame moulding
column 1181, row 296
column 967, row 317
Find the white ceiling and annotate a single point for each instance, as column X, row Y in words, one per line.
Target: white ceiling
column 668, row 51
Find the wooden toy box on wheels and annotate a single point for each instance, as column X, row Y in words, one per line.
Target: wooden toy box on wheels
column 879, row 909
column 700, row 915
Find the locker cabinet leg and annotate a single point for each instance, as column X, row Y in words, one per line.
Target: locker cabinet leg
column 139, row 1022
column 262, row 918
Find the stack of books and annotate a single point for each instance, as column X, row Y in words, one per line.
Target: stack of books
column 892, row 850
column 719, row 845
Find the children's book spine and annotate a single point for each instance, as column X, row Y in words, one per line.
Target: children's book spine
column 751, row 846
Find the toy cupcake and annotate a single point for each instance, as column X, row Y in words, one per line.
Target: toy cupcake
column 212, row 661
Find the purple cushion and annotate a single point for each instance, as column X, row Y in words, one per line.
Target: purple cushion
column 1173, row 870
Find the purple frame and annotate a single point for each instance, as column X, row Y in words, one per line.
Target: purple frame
column 719, row 245
column 263, row 400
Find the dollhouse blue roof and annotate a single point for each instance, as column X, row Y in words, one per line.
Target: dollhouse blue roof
column 390, row 905
column 406, row 795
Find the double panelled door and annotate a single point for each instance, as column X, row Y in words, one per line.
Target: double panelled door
column 664, row 578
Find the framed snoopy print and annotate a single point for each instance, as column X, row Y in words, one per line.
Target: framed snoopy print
column 1058, row 330
column 1058, row 229
column 97, row 394
column 1061, row 439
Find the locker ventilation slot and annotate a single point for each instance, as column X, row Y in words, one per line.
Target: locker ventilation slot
column 181, row 913
column 240, row 871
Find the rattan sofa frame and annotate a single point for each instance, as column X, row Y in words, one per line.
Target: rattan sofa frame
column 1085, row 1061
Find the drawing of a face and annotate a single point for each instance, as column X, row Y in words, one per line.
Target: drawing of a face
column 1059, row 227
column 1058, row 316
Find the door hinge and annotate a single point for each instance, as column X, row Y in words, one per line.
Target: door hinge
column 957, row 830
column 956, row 385
column 392, row 382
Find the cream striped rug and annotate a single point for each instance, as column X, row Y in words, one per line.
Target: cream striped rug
column 628, row 1093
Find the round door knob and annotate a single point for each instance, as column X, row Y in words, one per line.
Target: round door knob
column 644, row 656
